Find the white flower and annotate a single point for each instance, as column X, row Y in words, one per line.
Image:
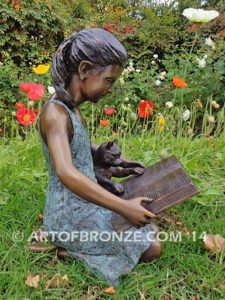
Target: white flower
column 155, row 56
column 168, row 104
column 209, row 42
column 157, row 82
column 121, row 81
column 153, row 62
column 125, row 72
column 162, row 75
column 131, row 64
column 138, row 70
column 201, row 63
column 186, row 115
column 200, row 15
column 205, row 56
column 130, row 69
column 51, row 89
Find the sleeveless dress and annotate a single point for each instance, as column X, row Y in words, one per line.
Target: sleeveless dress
column 65, row 213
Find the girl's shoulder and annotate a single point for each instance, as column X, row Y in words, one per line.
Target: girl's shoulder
column 51, row 113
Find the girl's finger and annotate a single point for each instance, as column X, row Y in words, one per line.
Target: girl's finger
column 150, row 214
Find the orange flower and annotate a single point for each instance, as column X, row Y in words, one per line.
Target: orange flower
column 179, row 82
column 104, row 122
column 19, row 105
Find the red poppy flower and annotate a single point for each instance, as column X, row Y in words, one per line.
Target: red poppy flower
column 179, row 82
column 26, row 86
column 25, row 116
column 104, row 122
column 109, row 111
column 19, row 105
column 34, row 91
column 108, row 27
column 128, row 29
column 37, row 92
column 1, row 130
column 145, row 108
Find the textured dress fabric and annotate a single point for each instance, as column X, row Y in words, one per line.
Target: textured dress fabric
column 68, row 218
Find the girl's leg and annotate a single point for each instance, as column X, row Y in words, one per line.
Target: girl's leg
column 153, row 252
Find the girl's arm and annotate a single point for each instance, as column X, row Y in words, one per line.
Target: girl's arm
column 55, row 127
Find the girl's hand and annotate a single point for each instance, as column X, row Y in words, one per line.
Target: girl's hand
column 135, row 213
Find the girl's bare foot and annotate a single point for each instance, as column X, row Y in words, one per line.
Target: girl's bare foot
column 153, row 252
column 61, row 252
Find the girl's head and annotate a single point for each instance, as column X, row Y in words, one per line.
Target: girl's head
column 88, row 62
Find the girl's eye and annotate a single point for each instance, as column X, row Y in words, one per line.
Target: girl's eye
column 110, row 80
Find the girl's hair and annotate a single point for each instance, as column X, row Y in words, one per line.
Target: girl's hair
column 95, row 45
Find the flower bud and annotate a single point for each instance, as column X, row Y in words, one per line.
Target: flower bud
column 211, row 119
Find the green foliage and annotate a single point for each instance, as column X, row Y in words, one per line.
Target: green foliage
column 182, row 271
column 144, row 28
column 30, row 31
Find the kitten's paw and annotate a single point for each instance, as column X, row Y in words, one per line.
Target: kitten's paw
column 119, row 188
column 139, row 170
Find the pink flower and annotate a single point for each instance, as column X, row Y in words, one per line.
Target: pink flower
column 109, row 111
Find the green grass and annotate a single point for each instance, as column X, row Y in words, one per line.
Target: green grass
column 184, row 270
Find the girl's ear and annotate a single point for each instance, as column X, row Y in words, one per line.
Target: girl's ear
column 109, row 145
column 85, row 68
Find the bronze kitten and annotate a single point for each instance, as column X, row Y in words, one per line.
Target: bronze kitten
column 108, row 164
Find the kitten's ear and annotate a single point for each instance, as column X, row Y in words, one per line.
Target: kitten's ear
column 109, row 145
column 116, row 141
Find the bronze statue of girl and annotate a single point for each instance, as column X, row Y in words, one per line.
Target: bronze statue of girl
column 84, row 68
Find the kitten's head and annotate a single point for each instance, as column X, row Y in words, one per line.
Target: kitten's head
column 109, row 153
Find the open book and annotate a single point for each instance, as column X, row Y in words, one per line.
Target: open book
column 166, row 182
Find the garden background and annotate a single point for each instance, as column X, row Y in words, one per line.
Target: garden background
column 169, row 100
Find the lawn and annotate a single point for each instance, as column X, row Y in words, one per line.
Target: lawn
column 186, row 270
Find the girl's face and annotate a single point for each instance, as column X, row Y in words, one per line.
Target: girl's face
column 94, row 84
